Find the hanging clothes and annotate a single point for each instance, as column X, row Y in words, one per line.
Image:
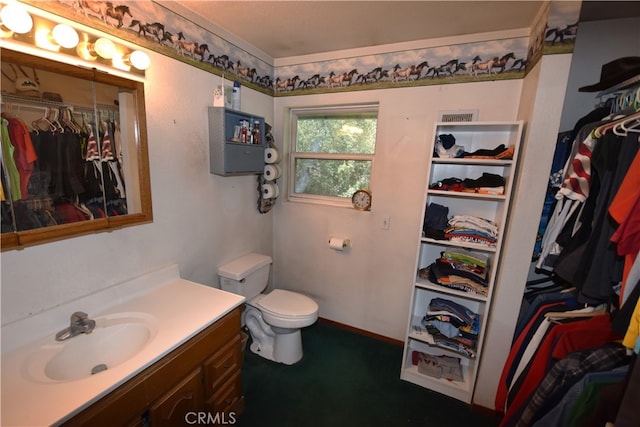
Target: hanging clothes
column 8, row 156
column 580, row 229
column 24, row 153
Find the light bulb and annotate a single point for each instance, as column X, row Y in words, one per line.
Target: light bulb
column 45, row 40
column 105, row 48
column 16, row 18
column 65, row 36
column 139, row 59
column 86, row 52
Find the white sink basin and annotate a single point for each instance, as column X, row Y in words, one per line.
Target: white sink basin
column 115, row 339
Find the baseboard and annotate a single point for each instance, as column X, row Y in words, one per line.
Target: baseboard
column 369, row 334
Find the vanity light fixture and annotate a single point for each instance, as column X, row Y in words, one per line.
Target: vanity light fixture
column 16, row 18
column 45, row 40
column 65, row 35
column 24, row 27
column 138, row 59
column 86, row 52
column 62, row 35
column 103, row 48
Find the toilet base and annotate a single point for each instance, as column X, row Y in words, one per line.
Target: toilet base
column 277, row 344
column 283, row 348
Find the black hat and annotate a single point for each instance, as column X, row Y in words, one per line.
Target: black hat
column 615, row 72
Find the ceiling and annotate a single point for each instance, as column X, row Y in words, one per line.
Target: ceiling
column 292, row 28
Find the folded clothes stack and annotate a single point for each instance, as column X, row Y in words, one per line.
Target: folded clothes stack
column 471, row 229
column 452, row 325
column 459, row 228
column 447, row 367
column 501, row 152
column 446, row 147
column 459, row 269
column 488, row 183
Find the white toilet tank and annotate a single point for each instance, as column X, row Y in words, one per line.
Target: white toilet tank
column 247, row 276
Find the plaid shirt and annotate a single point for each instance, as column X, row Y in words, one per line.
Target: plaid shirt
column 567, row 372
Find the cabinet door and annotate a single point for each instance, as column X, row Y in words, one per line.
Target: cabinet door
column 171, row 409
column 243, row 158
column 227, row 403
column 219, row 367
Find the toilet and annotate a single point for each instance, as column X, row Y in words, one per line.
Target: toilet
column 274, row 320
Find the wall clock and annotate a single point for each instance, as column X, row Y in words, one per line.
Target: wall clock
column 361, row 200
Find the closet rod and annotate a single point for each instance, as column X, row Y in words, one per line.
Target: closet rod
column 21, row 105
column 24, row 100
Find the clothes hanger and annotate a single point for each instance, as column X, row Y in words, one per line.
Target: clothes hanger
column 633, row 127
column 600, row 310
column 67, row 118
column 602, row 129
column 629, row 124
column 56, row 120
column 44, row 119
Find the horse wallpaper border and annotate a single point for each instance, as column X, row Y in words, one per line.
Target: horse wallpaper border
column 460, row 63
column 151, row 25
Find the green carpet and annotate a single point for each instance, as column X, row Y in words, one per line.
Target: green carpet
column 345, row 379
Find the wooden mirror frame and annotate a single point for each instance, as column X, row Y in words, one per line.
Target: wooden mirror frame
column 20, row 239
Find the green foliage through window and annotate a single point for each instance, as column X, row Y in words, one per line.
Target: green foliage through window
column 353, row 134
column 333, row 150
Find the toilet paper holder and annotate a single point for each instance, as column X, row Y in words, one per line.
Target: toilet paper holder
column 339, row 243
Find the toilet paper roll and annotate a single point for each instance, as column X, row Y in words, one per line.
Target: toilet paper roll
column 339, row 243
column 271, row 155
column 272, row 172
column 270, row 191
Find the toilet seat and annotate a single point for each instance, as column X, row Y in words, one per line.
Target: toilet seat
column 286, row 309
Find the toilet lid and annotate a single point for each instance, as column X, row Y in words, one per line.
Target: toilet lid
column 287, row 303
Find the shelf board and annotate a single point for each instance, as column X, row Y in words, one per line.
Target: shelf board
column 462, row 194
column 460, row 390
column 464, row 245
column 427, row 284
column 467, row 161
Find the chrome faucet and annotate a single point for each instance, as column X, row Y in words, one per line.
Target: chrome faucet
column 80, row 324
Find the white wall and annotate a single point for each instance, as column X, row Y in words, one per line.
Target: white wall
column 598, row 43
column 369, row 287
column 540, row 107
column 200, row 220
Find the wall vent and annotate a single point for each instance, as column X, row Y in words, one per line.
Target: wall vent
column 459, row 116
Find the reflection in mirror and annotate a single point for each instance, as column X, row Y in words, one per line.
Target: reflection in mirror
column 74, row 153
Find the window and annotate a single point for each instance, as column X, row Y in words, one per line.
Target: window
column 332, row 152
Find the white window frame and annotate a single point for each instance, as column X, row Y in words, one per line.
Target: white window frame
column 294, row 113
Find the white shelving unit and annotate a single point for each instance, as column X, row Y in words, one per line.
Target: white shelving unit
column 472, row 136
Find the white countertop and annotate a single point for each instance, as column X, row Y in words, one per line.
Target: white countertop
column 179, row 309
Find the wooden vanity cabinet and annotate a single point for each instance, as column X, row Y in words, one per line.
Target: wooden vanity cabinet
column 201, row 376
column 187, row 396
column 222, row 379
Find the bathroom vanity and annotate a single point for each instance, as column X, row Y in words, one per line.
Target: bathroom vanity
column 177, row 357
column 202, row 375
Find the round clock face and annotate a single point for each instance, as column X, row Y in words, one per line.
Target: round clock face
column 361, row 200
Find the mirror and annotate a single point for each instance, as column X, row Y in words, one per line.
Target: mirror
column 74, row 151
